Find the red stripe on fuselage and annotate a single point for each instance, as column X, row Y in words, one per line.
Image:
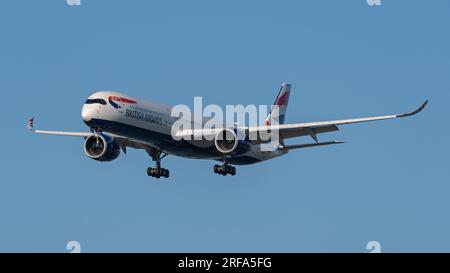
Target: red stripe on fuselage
column 120, row 99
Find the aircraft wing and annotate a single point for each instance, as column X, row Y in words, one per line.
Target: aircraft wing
column 30, row 126
column 300, row 129
column 314, row 128
column 121, row 140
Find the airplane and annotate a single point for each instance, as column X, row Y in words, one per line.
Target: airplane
column 118, row 121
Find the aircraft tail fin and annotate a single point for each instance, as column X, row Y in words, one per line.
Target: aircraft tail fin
column 278, row 112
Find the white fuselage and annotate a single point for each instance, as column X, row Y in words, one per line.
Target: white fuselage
column 151, row 123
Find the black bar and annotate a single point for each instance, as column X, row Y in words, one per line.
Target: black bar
column 226, row 262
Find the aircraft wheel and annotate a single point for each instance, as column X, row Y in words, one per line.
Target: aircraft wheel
column 233, row 171
column 165, row 173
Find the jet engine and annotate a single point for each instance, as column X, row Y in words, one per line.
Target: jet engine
column 228, row 142
column 101, row 148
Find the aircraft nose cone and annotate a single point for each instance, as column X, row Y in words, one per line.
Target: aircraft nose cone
column 86, row 114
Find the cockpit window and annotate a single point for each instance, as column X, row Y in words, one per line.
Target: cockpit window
column 93, row 101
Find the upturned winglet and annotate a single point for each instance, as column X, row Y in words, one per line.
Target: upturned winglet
column 417, row 111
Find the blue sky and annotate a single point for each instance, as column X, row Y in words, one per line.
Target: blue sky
column 345, row 59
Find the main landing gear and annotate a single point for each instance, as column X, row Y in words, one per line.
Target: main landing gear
column 158, row 172
column 225, row 169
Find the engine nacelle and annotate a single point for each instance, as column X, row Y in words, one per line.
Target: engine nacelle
column 101, row 148
column 228, row 142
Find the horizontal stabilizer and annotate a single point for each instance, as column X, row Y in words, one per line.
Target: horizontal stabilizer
column 301, row 146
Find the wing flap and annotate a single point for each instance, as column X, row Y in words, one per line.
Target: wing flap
column 309, row 145
column 308, row 131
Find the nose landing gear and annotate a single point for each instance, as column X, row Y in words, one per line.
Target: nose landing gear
column 225, row 169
